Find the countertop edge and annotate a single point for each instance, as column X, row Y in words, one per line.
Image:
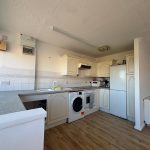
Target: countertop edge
column 10, row 101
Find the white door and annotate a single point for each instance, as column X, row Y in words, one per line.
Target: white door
column 103, row 69
column 104, row 100
column 118, row 77
column 57, row 107
column 101, row 98
column 130, row 64
column 130, row 98
column 97, row 91
column 118, row 103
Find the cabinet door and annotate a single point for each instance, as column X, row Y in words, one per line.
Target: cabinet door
column 101, row 98
column 130, row 64
column 106, row 99
column 97, row 94
column 72, row 66
column 130, row 98
column 93, row 71
column 57, row 107
column 88, row 72
column 103, row 69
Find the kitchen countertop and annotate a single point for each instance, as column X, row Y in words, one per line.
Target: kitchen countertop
column 88, row 88
column 10, row 101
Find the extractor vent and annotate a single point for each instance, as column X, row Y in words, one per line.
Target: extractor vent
column 104, row 48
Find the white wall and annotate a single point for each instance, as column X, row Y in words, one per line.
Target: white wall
column 48, row 67
column 116, row 56
column 17, row 70
column 142, row 78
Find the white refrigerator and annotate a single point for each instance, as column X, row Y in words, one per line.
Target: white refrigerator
column 118, row 91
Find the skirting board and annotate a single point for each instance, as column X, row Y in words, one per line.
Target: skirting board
column 88, row 112
column 130, row 118
column 139, row 128
column 55, row 124
column 105, row 110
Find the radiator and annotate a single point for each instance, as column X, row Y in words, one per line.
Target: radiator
column 147, row 111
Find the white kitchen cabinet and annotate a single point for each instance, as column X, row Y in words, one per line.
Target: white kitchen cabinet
column 93, row 70
column 104, row 100
column 97, row 96
column 130, row 98
column 57, row 107
column 103, row 69
column 90, row 72
column 69, row 65
column 130, row 64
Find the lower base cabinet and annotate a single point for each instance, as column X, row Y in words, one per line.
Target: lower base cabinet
column 104, row 99
column 57, row 107
column 96, row 94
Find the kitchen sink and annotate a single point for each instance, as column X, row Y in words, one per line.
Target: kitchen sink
column 54, row 89
column 44, row 90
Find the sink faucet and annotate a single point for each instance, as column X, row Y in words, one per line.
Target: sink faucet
column 54, row 84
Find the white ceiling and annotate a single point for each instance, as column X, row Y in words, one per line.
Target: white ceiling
column 100, row 22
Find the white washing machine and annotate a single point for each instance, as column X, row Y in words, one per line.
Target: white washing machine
column 76, row 106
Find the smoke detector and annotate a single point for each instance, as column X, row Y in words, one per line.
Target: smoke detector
column 104, row 48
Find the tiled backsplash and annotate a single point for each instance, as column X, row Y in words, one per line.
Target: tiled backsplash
column 16, row 79
column 23, row 79
column 46, row 79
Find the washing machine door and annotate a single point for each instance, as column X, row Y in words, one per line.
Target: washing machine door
column 77, row 104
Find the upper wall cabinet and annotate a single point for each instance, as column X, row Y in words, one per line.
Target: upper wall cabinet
column 103, row 69
column 69, row 65
column 93, row 70
column 130, row 64
column 88, row 72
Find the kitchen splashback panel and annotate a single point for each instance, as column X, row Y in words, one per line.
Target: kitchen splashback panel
column 16, row 79
column 45, row 79
column 23, row 79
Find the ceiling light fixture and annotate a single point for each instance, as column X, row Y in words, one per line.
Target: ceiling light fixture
column 104, row 48
column 70, row 35
column 101, row 49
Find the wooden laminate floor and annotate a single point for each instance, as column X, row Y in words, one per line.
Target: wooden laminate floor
column 98, row 131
